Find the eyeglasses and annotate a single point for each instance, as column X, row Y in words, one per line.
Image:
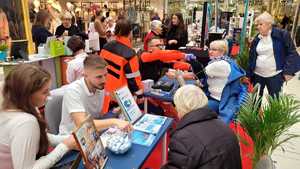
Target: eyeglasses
column 214, row 49
column 158, row 46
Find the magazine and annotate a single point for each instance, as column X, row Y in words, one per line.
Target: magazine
column 143, row 122
column 128, row 105
column 90, row 145
column 142, row 138
column 150, row 123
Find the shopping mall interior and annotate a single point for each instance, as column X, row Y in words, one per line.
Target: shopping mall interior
column 123, row 84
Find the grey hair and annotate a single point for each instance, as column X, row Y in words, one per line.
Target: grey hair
column 265, row 17
column 155, row 24
column 188, row 98
column 220, row 45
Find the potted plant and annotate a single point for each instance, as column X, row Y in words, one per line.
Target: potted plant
column 243, row 58
column 268, row 124
column 3, row 51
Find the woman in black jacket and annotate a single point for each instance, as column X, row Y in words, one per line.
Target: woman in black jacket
column 39, row 30
column 67, row 28
column 200, row 140
column 177, row 35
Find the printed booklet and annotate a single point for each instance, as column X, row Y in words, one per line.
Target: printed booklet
column 147, row 123
column 90, row 144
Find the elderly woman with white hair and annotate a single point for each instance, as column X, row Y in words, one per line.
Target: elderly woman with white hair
column 67, row 28
column 156, row 30
column 273, row 58
column 222, row 83
column 200, row 139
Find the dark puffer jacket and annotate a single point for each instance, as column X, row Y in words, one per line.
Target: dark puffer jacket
column 201, row 141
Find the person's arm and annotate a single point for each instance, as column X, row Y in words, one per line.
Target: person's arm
column 181, row 65
column 218, row 69
column 55, row 140
column 25, row 145
column 252, row 58
column 59, row 31
column 79, row 117
column 162, row 55
column 146, row 41
column 292, row 59
column 78, row 114
column 133, row 75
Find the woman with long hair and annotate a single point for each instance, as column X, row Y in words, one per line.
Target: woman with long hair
column 40, row 28
column 177, row 35
column 23, row 138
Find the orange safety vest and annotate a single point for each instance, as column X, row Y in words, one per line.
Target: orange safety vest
column 123, row 68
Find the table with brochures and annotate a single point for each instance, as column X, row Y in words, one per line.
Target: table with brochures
column 135, row 157
column 138, row 154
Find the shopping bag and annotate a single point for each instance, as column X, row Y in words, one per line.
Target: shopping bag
column 57, row 48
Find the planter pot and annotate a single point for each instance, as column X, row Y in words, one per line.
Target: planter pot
column 3, row 55
column 265, row 162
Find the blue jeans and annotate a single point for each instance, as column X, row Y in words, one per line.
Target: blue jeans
column 273, row 84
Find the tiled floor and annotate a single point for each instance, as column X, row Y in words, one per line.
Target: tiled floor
column 290, row 159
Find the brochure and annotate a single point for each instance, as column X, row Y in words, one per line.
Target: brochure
column 128, row 105
column 150, row 123
column 90, row 145
column 143, row 122
column 142, row 138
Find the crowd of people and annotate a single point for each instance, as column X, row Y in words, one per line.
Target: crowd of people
column 202, row 137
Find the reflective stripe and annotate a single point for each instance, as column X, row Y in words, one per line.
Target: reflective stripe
column 133, row 75
column 114, row 74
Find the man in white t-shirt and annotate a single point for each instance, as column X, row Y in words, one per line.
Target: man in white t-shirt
column 85, row 96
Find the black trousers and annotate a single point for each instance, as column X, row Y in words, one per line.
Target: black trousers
column 102, row 42
column 273, row 84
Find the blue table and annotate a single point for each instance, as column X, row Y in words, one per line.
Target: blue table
column 136, row 155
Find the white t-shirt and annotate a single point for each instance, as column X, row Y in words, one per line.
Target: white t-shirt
column 19, row 143
column 217, row 76
column 75, row 67
column 265, row 62
column 78, row 98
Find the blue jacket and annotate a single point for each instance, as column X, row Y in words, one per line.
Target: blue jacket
column 286, row 56
column 233, row 93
